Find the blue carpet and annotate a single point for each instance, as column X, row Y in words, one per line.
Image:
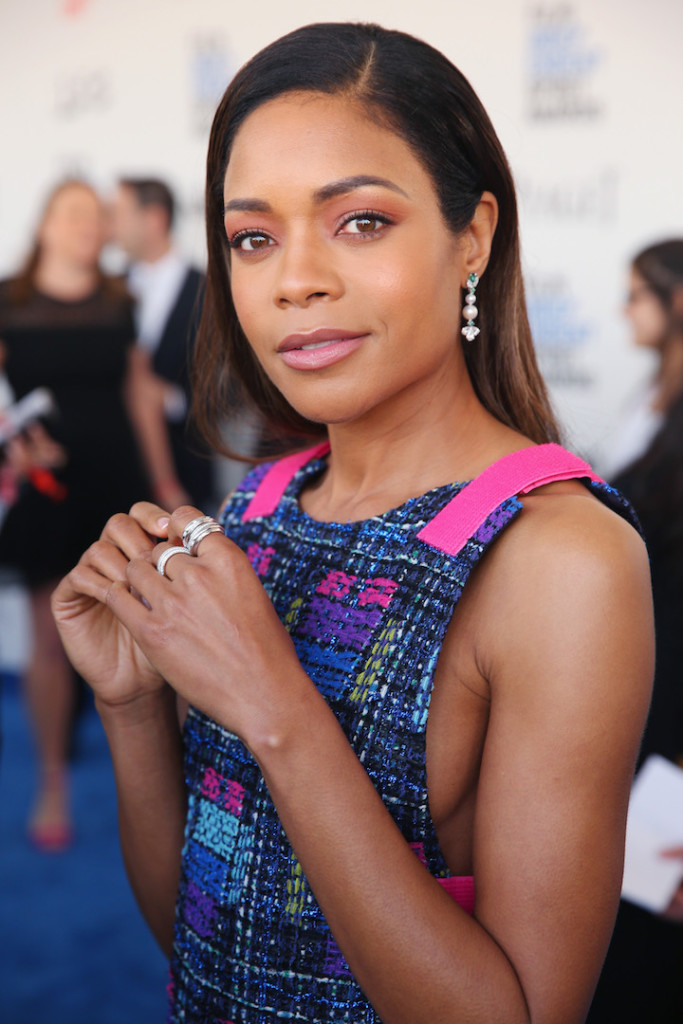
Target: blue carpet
column 74, row 948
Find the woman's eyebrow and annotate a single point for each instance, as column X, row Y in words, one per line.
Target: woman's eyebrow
column 321, row 195
column 248, row 206
column 344, row 185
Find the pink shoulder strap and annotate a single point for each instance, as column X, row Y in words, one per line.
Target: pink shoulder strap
column 451, row 528
column 517, row 473
column 276, row 481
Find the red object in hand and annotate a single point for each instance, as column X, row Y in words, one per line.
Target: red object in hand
column 44, row 481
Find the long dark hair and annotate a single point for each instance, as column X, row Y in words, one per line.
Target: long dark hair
column 661, row 267
column 416, row 92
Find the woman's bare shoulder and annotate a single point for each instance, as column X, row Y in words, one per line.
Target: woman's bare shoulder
column 564, row 524
column 569, row 577
column 570, row 570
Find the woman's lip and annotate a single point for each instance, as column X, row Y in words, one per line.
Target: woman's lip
column 317, row 337
column 316, row 355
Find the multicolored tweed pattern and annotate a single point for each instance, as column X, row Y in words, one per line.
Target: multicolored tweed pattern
column 367, row 605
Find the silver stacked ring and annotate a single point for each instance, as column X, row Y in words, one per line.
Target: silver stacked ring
column 196, row 530
column 194, row 524
column 169, row 553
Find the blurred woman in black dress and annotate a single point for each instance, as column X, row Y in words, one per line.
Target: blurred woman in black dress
column 642, row 979
column 67, row 327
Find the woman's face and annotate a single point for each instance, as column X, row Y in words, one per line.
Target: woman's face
column 73, row 227
column 345, row 278
column 646, row 312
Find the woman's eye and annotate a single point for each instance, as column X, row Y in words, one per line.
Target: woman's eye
column 364, row 224
column 250, row 241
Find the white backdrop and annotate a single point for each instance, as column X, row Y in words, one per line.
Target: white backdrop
column 584, row 95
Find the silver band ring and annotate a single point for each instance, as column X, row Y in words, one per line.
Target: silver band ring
column 194, row 524
column 199, row 533
column 169, row 553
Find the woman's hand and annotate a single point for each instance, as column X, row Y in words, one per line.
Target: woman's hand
column 210, row 630
column 34, row 448
column 674, row 912
column 98, row 645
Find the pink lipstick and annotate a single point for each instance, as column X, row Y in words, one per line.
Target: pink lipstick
column 314, row 350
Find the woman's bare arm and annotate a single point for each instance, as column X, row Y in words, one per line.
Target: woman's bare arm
column 138, row 711
column 144, row 395
column 146, row 749
column 571, row 662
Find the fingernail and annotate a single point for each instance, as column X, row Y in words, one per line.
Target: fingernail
column 162, row 522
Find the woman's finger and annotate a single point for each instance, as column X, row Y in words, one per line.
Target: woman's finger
column 165, row 557
column 130, row 535
column 108, row 559
column 196, row 530
column 128, row 605
column 85, row 581
column 153, row 519
column 143, row 576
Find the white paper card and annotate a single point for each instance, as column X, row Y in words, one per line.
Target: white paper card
column 655, row 823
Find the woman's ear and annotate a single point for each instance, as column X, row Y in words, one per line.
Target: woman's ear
column 478, row 236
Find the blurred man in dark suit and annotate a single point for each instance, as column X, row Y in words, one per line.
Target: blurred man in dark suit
column 168, row 293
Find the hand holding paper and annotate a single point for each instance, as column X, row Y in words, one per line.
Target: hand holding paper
column 653, row 867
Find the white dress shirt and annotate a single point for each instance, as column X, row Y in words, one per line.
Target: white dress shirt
column 155, row 287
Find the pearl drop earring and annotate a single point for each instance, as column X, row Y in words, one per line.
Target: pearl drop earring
column 470, row 311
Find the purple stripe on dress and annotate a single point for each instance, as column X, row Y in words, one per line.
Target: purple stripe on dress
column 351, row 627
column 200, row 911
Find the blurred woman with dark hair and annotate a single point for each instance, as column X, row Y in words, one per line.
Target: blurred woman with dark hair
column 401, row 793
column 654, row 307
column 65, row 326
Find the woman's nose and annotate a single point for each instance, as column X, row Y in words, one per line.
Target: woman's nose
column 306, row 273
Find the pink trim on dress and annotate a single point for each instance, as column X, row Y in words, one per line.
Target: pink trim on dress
column 517, row 473
column 461, row 889
column 276, row 481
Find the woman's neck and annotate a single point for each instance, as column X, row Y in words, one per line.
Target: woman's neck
column 63, row 280
column 377, row 466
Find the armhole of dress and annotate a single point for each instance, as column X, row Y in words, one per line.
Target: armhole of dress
column 461, row 889
column 518, row 473
column 277, row 479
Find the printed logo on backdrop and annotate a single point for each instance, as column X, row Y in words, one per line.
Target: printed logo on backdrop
column 210, row 71
column 592, row 197
column 80, row 93
column 559, row 329
column 562, row 64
